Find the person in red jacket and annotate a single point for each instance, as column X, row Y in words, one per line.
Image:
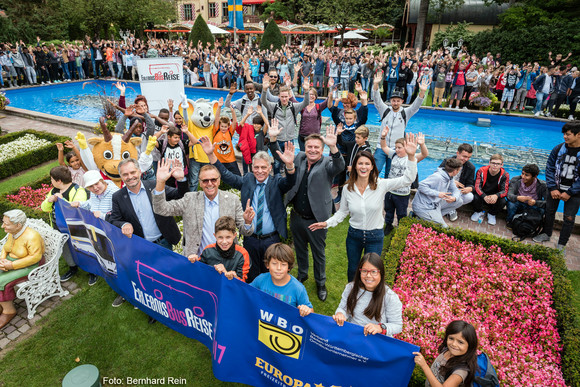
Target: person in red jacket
column 491, row 189
column 252, row 136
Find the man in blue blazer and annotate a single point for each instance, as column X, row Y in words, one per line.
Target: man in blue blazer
column 312, row 202
column 265, row 194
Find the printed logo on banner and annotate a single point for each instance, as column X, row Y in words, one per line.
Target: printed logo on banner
column 161, row 72
column 277, row 337
column 93, row 241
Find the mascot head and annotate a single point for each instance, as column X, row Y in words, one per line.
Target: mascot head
column 202, row 113
column 112, row 148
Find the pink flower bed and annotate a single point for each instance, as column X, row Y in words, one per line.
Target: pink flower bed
column 29, row 197
column 507, row 298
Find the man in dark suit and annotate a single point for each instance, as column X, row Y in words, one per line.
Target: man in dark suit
column 464, row 181
column 265, row 194
column 133, row 210
column 313, row 203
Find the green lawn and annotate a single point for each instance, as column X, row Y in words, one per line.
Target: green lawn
column 121, row 343
column 16, row 182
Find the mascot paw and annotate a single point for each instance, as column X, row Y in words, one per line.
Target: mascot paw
column 82, row 140
column 151, row 144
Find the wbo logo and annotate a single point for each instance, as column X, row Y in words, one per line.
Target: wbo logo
column 272, row 332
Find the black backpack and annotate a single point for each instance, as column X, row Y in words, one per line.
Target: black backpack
column 527, row 223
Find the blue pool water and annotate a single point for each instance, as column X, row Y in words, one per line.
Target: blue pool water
column 72, row 100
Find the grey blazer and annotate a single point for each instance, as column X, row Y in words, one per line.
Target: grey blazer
column 319, row 182
column 192, row 207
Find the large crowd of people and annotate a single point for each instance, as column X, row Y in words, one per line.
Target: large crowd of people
column 456, row 79
column 275, row 181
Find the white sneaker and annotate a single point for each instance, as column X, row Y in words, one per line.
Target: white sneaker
column 537, row 114
column 453, row 216
column 570, row 117
column 42, row 83
column 476, row 215
column 491, row 219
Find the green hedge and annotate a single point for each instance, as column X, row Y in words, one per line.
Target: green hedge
column 6, row 205
column 568, row 321
column 32, row 158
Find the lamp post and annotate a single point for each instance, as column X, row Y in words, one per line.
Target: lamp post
column 452, row 48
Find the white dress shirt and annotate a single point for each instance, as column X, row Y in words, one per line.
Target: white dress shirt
column 366, row 209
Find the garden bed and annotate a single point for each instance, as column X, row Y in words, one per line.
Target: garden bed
column 26, row 157
column 517, row 296
column 28, row 199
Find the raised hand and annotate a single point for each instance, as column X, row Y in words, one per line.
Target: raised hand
column 330, row 137
column 266, row 82
column 425, row 83
column 69, row 144
column 221, row 102
column 358, row 87
column 363, row 95
column 306, row 85
column 184, row 103
column 249, row 213
column 385, row 131
column 129, row 111
column 330, row 82
column 59, row 146
column 170, row 104
column 121, row 86
column 339, row 129
column 287, row 80
column 250, row 110
column 288, row 156
column 378, row 78
column 233, row 88
column 410, row 145
column 420, row 139
column 274, row 130
column 151, row 142
column 82, row 140
column 206, row 144
column 163, row 170
column 177, row 170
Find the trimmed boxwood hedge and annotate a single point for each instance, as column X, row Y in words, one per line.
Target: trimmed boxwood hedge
column 568, row 321
column 33, row 157
column 6, row 205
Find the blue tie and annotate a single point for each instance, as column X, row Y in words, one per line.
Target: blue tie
column 260, row 208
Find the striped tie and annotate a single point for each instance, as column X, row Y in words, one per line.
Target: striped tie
column 260, row 208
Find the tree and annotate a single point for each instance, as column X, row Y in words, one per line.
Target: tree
column 453, row 33
column 272, row 36
column 421, row 20
column 200, row 33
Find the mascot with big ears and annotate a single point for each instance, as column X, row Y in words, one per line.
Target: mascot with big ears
column 109, row 150
column 201, row 114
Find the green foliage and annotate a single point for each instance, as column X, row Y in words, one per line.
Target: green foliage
column 514, row 44
column 568, row 319
column 32, row 158
column 272, row 36
column 453, row 33
column 6, row 205
column 24, row 179
column 200, row 33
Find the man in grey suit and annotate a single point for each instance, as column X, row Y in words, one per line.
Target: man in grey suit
column 313, row 203
column 200, row 210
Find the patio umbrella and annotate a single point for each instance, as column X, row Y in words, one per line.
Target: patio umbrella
column 351, row 35
column 361, row 31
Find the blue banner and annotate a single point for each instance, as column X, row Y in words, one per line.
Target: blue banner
column 244, row 328
column 236, row 7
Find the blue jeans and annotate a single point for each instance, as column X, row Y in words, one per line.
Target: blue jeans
column 395, row 203
column 278, row 164
column 194, row 167
column 390, row 88
column 240, row 83
column 344, row 82
column 514, row 207
column 207, row 79
column 539, row 101
column 410, row 90
column 65, row 71
column 382, row 160
column 371, row 241
column 164, row 243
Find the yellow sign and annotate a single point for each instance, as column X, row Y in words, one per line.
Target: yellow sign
column 278, row 340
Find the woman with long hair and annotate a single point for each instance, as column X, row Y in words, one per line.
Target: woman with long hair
column 456, row 364
column 369, row 302
column 363, row 199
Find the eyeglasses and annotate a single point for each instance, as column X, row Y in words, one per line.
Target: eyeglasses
column 496, row 164
column 205, row 181
column 373, row 273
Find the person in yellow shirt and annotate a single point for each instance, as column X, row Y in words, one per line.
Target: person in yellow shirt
column 20, row 254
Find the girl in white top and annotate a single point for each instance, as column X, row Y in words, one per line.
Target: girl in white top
column 363, row 199
column 369, row 302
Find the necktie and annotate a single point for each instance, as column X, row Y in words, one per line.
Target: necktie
column 260, row 208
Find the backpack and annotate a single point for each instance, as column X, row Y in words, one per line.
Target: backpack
column 403, row 114
column 292, row 109
column 527, row 223
column 485, row 375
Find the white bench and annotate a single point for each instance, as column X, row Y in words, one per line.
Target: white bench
column 44, row 281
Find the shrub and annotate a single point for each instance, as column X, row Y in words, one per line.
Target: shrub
column 272, row 36
column 6, row 204
column 568, row 322
column 200, row 33
column 29, row 197
column 32, row 158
